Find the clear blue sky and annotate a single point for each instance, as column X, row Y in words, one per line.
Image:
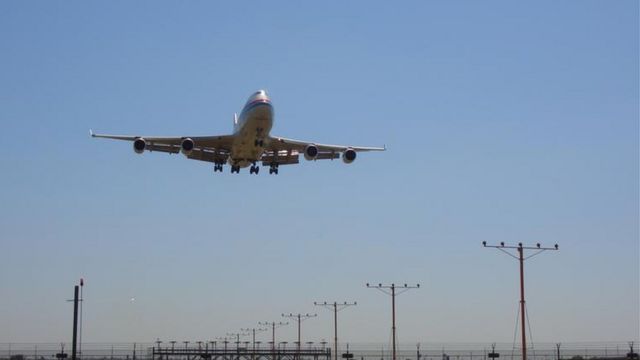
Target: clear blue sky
column 504, row 121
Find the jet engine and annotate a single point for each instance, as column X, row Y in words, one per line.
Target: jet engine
column 187, row 145
column 348, row 156
column 139, row 145
column 310, row 152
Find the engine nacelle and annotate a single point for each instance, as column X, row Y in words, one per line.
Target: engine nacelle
column 187, row 145
column 310, row 152
column 139, row 145
column 348, row 156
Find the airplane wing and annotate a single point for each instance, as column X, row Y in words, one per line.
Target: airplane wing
column 205, row 148
column 280, row 143
column 286, row 151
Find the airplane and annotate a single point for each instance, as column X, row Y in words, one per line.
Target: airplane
column 250, row 143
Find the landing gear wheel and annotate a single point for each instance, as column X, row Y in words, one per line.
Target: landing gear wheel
column 273, row 169
column 254, row 170
column 235, row 169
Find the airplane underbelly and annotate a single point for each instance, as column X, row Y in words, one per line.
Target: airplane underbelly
column 248, row 146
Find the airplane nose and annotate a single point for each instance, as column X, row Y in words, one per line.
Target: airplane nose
column 258, row 95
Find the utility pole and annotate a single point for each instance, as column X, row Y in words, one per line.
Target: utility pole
column 273, row 325
column 335, row 307
column 77, row 303
column 300, row 318
column 521, row 258
column 80, row 330
column 558, row 350
column 75, row 322
column 385, row 289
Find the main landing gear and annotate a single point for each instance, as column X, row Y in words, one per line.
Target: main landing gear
column 254, row 169
column 273, row 169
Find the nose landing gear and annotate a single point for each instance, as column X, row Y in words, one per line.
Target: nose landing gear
column 254, row 170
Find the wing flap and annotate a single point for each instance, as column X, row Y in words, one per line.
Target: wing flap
column 171, row 149
column 208, row 155
column 280, row 157
column 327, row 155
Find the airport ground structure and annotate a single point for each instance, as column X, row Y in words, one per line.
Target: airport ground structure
column 201, row 350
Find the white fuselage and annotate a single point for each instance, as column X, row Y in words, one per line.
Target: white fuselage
column 251, row 130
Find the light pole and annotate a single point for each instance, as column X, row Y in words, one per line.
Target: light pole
column 273, row 325
column 253, row 332
column 521, row 258
column 335, row 307
column 237, row 335
column 80, row 329
column 158, row 342
column 77, row 303
column 300, row 318
column 186, row 347
column 385, row 289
